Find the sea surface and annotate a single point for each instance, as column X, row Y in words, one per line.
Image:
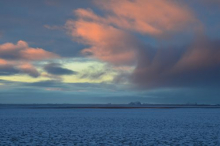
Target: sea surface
column 103, row 127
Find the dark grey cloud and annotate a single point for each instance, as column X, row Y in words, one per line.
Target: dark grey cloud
column 56, row 69
column 11, row 54
column 195, row 65
column 7, row 70
column 30, row 71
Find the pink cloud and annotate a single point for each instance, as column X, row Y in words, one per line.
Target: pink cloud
column 89, row 14
column 113, row 38
column 21, row 51
column 149, row 17
column 110, row 38
column 3, row 62
column 12, row 68
column 107, row 42
column 17, row 58
column 28, row 69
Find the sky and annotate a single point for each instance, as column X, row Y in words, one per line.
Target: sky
column 109, row 51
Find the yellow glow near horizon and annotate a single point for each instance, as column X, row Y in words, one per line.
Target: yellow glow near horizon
column 75, row 65
column 82, row 67
column 21, row 78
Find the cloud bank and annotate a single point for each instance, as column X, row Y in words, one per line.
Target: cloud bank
column 115, row 38
column 18, row 58
column 195, row 66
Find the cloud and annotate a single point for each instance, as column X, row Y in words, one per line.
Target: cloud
column 94, row 76
column 156, row 17
column 18, row 58
column 107, row 43
column 116, row 37
column 52, row 77
column 21, row 51
column 29, row 69
column 94, row 73
column 56, row 69
column 110, row 37
column 3, row 62
column 7, row 68
column 197, row 65
column 53, row 27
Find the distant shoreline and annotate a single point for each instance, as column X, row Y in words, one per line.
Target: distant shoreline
column 103, row 106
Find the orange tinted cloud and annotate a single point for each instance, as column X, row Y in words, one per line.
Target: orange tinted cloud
column 89, row 14
column 153, row 17
column 3, row 62
column 22, row 51
column 107, row 42
column 12, row 68
column 37, row 54
column 28, row 69
column 109, row 37
column 17, row 58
